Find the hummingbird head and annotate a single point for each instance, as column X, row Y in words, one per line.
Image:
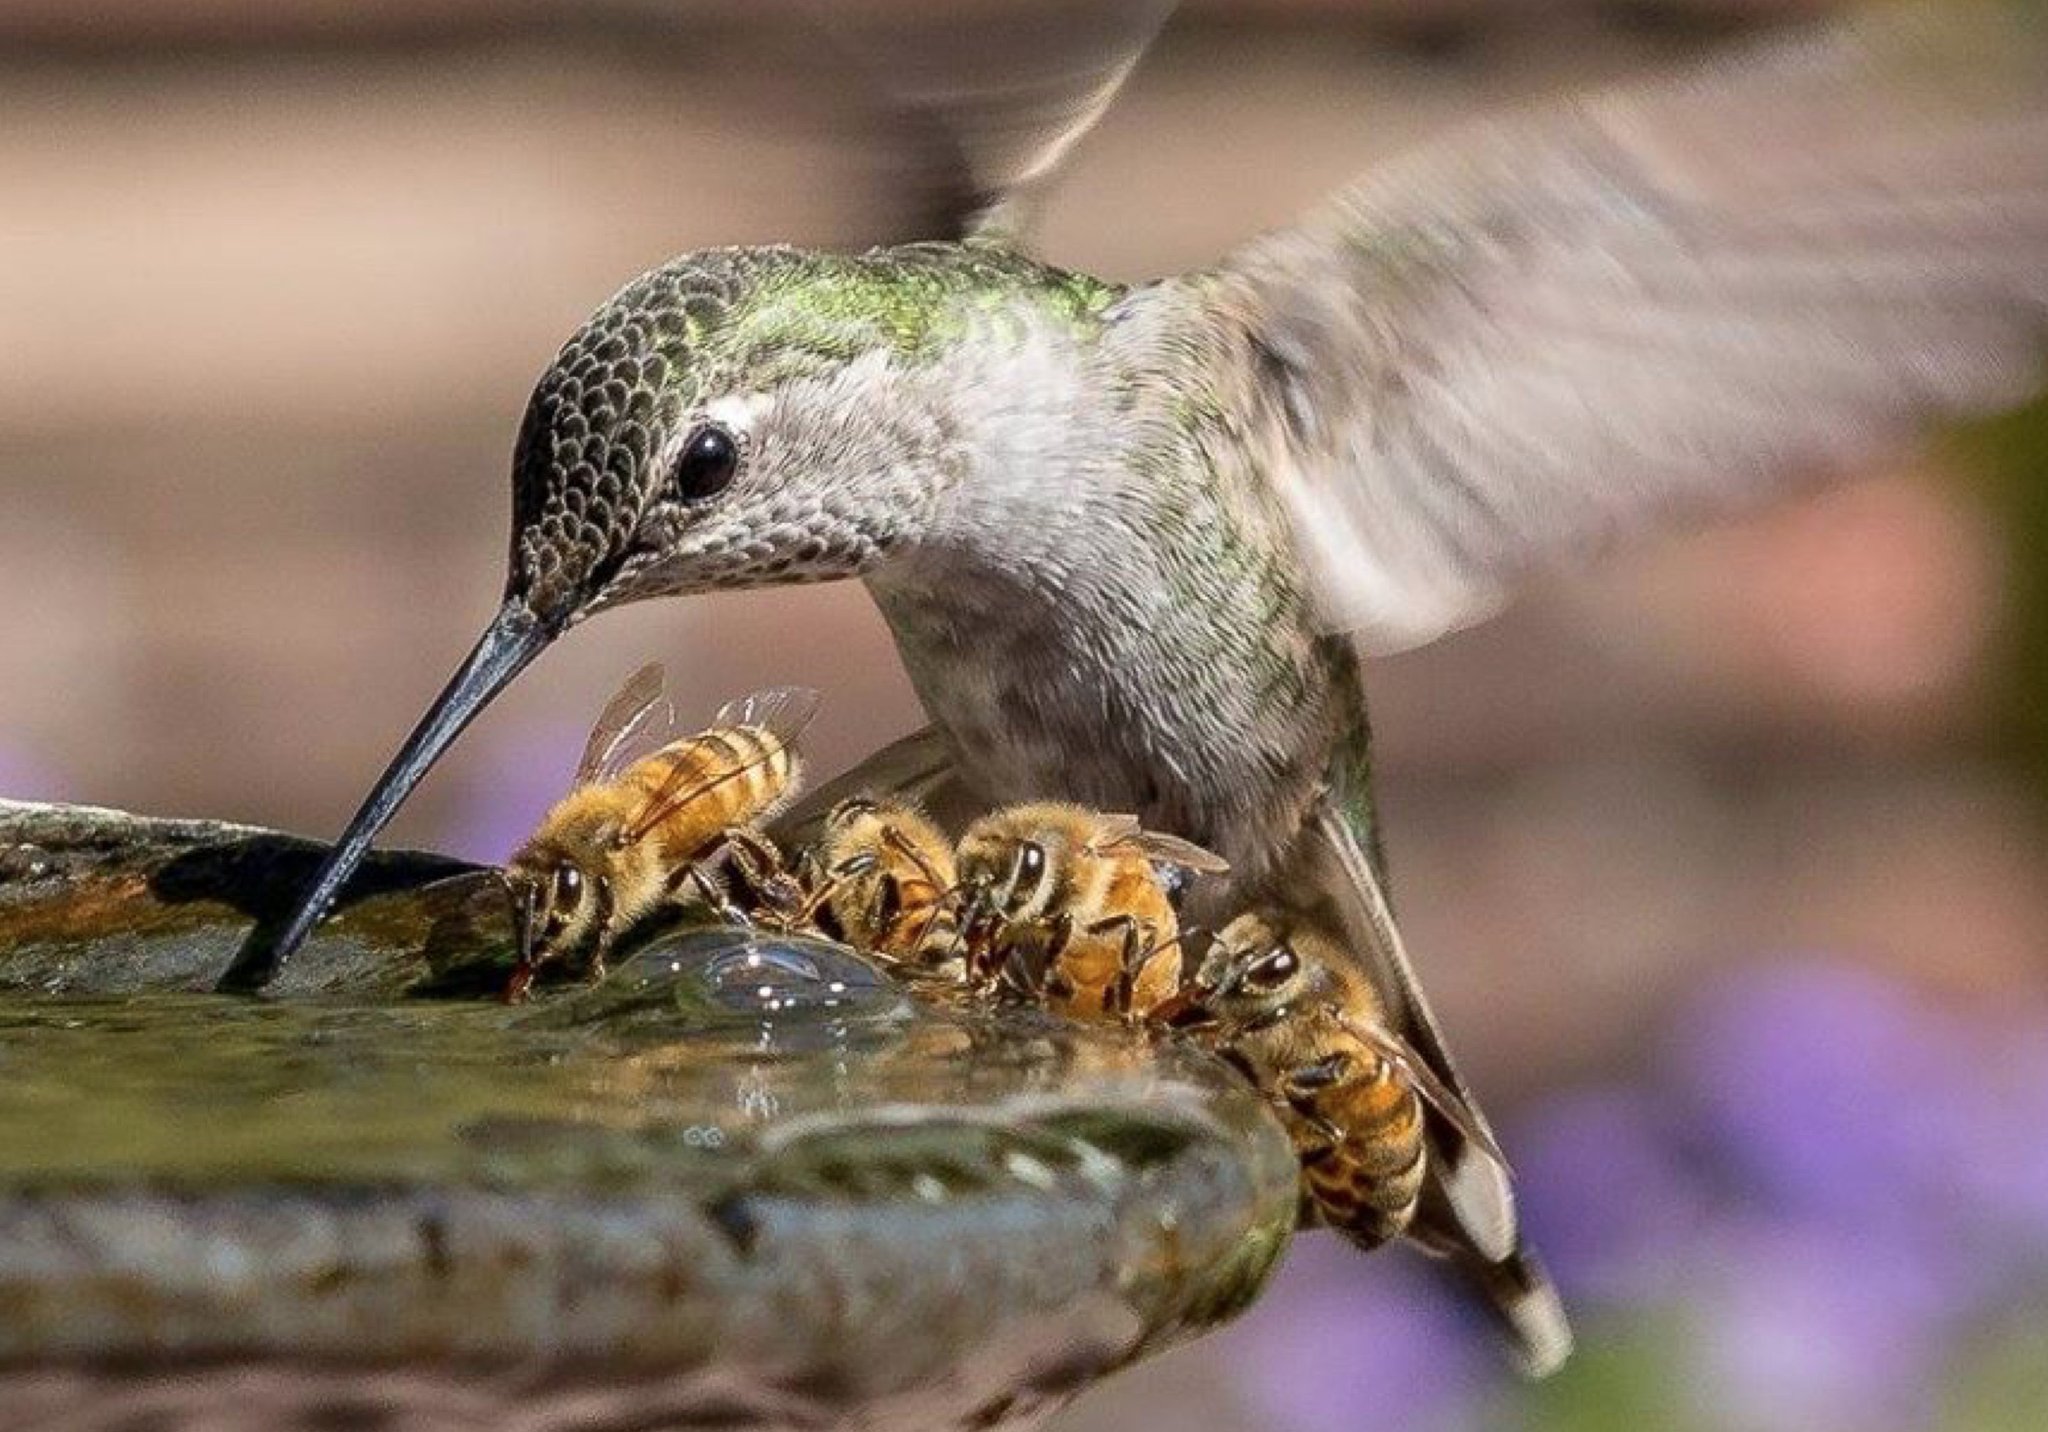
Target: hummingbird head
column 737, row 418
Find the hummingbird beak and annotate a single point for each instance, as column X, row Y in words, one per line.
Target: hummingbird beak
column 512, row 640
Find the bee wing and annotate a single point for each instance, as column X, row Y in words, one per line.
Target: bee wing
column 1119, row 830
column 635, row 722
column 1113, row 828
column 1172, row 850
column 1398, row 1052
column 918, row 769
column 781, row 711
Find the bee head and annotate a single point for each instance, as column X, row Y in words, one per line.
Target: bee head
column 558, row 908
column 1011, row 874
column 1256, row 971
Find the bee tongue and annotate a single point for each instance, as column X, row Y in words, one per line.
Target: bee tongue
column 1185, row 1010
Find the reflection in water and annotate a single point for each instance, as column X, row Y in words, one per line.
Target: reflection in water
column 695, row 1042
column 789, row 987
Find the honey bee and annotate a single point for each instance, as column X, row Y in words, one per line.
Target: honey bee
column 1280, row 1000
column 644, row 816
column 1070, row 905
column 770, row 890
column 891, row 881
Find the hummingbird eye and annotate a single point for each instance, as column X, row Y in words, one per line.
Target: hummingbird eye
column 710, row 461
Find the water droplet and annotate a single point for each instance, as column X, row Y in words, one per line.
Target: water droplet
column 734, row 979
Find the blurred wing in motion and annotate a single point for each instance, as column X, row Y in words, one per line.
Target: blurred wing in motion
column 998, row 90
column 634, row 723
column 1679, row 299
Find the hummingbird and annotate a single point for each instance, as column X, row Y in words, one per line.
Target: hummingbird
column 1134, row 541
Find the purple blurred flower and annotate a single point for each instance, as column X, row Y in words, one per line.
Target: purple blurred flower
column 530, row 770
column 1810, row 1326
column 1827, row 1092
column 24, row 777
column 1606, row 1196
column 1344, row 1343
column 2001, row 1182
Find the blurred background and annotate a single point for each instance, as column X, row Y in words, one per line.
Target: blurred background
column 1725, row 862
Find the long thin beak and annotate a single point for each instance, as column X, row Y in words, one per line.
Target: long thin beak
column 512, row 640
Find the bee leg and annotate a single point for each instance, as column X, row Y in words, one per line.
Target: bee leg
column 715, row 897
column 758, row 863
column 903, row 846
column 1235, row 1058
column 1327, row 1137
column 520, row 985
column 1031, row 958
column 1302, row 1087
column 1053, row 983
column 599, row 964
column 980, row 942
column 1058, row 933
column 1135, row 952
column 818, row 890
column 887, row 907
column 1321, row 1074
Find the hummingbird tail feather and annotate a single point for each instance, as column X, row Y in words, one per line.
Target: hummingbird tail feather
column 1468, row 1210
column 1522, row 1300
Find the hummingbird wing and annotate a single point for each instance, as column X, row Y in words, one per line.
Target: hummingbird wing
column 1475, row 1181
column 997, row 91
column 918, row 769
column 1664, row 301
column 1515, row 1291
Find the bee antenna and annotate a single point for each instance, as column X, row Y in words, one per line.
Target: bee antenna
column 902, row 845
column 977, row 892
column 522, row 897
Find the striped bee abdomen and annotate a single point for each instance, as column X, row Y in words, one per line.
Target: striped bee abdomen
column 698, row 788
column 1368, row 1181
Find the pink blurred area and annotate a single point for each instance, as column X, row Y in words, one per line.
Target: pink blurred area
column 276, row 280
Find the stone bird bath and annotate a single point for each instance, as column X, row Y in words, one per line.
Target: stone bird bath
column 746, row 1183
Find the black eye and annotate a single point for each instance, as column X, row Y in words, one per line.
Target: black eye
column 568, row 887
column 1272, row 970
column 1030, row 865
column 710, row 461
column 888, row 901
